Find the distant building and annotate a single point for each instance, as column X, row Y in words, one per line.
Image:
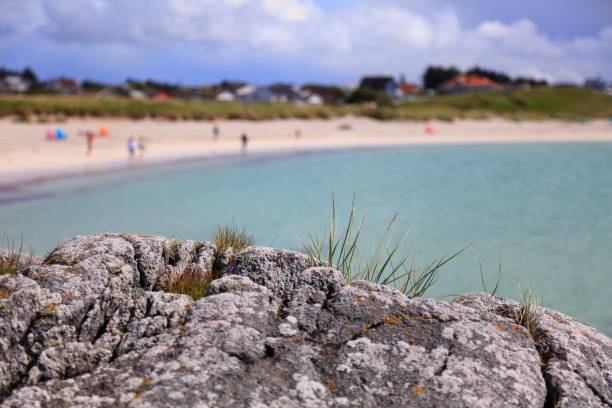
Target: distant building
column 326, row 93
column 225, row 96
column 161, row 96
column 597, row 84
column 385, row 84
column 286, row 93
column 407, row 89
column 276, row 93
column 63, row 85
column 15, row 83
column 469, row 83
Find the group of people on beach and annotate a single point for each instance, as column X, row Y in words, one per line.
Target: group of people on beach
column 136, row 145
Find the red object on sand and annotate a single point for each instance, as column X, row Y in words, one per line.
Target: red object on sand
column 429, row 130
column 102, row 131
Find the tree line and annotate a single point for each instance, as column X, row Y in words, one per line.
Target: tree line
column 434, row 76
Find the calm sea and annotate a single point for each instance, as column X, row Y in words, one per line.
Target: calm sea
column 545, row 210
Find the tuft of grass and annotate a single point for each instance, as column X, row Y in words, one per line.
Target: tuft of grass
column 339, row 249
column 13, row 258
column 231, row 236
column 528, row 312
column 171, row 252
column 191, row 282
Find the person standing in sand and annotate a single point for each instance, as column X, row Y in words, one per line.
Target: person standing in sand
column 244, row 139
column 141, row 148
column 132, row 145
column 215, row 133
column 89, row 138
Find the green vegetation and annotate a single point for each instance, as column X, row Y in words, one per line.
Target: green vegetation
column 41, row 107
column 191, row 282
column 339, row 248
column 528, row 312
column 12, row 257
column 567, row 103
column 231, row 236
column 538, row 103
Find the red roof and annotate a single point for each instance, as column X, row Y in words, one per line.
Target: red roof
column 468, row 81
column 409, row 88
column 162, row 96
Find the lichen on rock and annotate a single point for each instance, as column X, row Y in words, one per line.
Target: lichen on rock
column 94, row 327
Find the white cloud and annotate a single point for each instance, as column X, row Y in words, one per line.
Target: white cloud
column 369, row 36
column 290, row 10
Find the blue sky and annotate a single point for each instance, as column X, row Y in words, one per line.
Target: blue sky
column 203, row 41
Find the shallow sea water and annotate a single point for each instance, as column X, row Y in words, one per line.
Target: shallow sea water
column 545, row 209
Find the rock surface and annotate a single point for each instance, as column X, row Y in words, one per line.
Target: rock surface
column 93, row 327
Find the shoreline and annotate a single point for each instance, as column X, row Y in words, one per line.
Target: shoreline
column 27, row 159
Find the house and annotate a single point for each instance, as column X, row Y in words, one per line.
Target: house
column 161, row 96
column 469, row 83
column 325, row 93
column 276, row 93
column 284, row 93
column 251, row 93
column 597, row 84
column 63, row 85
column 225, row 96
column 385, row 84
column 407, row 89
column 16, row 83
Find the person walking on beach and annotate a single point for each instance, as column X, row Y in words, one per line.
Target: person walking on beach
column 132, row 145
column 141, row 148
column 215, row 133
column 244, row 140
column 297, row 134
column 89, row 138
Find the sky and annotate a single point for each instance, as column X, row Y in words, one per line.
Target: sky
column 324, row 41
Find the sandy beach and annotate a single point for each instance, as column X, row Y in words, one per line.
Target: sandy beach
column 26, row 155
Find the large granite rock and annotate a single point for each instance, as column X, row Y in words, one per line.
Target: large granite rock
column 93, row 327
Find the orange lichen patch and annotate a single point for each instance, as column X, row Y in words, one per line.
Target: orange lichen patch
column 330, row 384
column 417, row 389
column 515, row 328
column 4, row 293
column 66, row 297
column 358, row 297
column 394, row 319
column 500, row 326
column 421, row 318
column 135, row 396
column 188, row 367
column 48, row 310
column 40, row 276
column 144, row 381
column 364, row 328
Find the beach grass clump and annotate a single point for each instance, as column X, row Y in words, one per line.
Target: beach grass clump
column 339, row 248
column 528, row 312
column 231, row 236
column 191, row 282
column 13, row 257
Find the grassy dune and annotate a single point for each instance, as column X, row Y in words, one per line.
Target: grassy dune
column 542, row 103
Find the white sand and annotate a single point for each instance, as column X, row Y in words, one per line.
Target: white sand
column 26, row 155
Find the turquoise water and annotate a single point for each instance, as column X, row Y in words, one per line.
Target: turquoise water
column 545, row 209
